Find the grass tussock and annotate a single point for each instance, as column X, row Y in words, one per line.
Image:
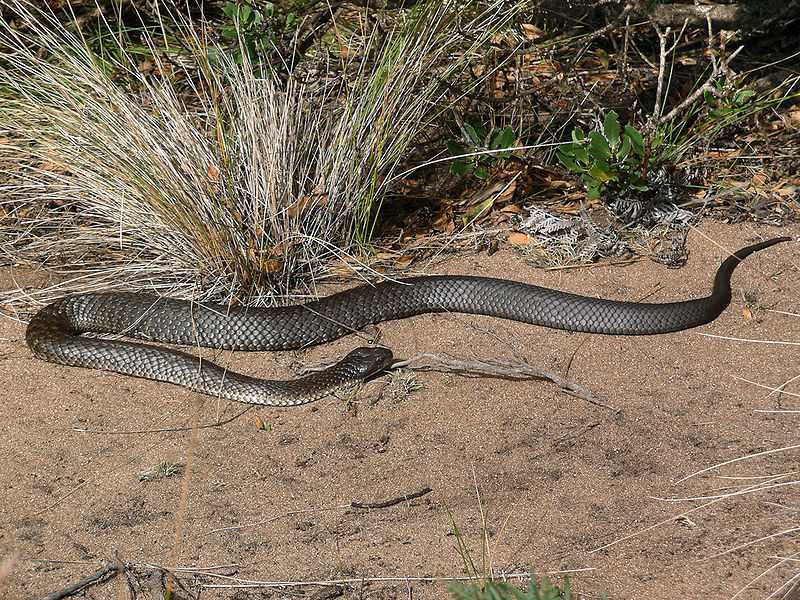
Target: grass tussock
column 201, row 175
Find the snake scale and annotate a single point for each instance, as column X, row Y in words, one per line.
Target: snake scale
column 54, row 333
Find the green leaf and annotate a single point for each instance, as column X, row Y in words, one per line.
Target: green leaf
column 581, row 154
column 473, row 135
column 569, row 163
column 601, row 172
column 230, row 9
column 578, row 135
column 625, row 148
column 743, row 96
column 481, row 172
column 602, row 56
column 636, row 139
column 245, row 12
column 229, row 32
column 593, row 192
column 567, row 149
column 461, row 167
column 503, row 139
column 455, row 149
column 598, row 146
column 478, row 210
column 611, row 129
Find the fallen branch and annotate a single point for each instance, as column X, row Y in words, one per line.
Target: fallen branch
column 723, row 16
column 108, row 571
column 387, row 503
column 719, row 67
column 708, row 86
column 662, row 63
column 518, row 370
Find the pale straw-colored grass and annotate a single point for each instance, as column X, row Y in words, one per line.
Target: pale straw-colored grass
column 200, row 176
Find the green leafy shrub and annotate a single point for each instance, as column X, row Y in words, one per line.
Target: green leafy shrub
column 614, row 160
column 725, row 102
column 478, row 140
column 255, row 28
column 492, row 590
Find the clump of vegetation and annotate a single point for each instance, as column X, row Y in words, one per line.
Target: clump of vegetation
column 254, row 29
column 204, row 174
column 479, row 140
column 611, row 161
column 483, row 585
column 162, row 470
column 496, row 590
column 402, row 383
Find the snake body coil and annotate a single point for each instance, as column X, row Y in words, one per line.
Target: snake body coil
column 54, row 333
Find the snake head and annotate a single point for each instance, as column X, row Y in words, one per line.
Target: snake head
column 365, row 362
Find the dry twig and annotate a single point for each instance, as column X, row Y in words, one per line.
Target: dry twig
column 108, row 571
column 518, row 369
column 662, row 63
column 719, row 67
column 392, row 502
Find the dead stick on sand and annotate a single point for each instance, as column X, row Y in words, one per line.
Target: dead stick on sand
column 517, row 369
column 393, row 501
column 108, row 571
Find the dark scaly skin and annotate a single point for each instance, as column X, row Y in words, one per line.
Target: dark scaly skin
column 54, row 332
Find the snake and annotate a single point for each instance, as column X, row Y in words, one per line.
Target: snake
column 55, row 332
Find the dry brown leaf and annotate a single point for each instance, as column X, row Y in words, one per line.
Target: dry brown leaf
column 266, row 265
column 341, row 270
column 508, row 192
column 513, row 209
column 560, row 184
column 444, row 221
column 747, row 314
column 543, row 67
column 147, row 66
column 517, row 238
column 404, row 261
column 304, row 202
column 738, row 184
column 499, row 191
column 532, row 32
column 344, row 50
column 788, row 191
column 213, row 173
column 280, row 248
column 722, row 154
column 270, row 265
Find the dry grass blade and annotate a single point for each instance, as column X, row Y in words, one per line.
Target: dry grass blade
column 204, row 177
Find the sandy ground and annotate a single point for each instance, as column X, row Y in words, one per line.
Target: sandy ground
column 559, row 478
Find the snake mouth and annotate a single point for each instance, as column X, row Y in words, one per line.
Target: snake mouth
column 367, row 362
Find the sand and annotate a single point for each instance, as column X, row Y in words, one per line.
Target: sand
column 564, row 484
